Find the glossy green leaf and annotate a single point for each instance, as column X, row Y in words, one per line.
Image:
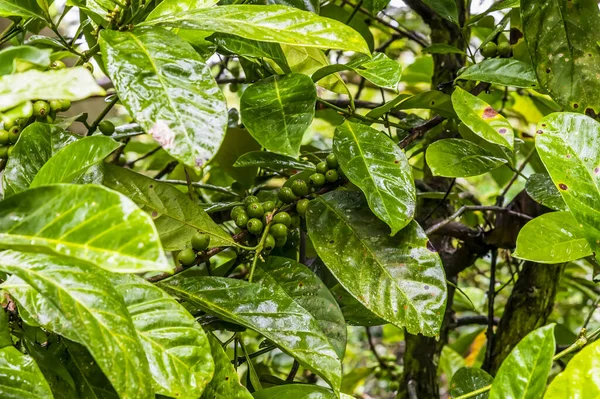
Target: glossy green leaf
column 20, row 377
column 71, row 84
column 225, row 383
column 21, row 58
column 272, row 23
column 168, row 89
column 434, row 100
column 355, row 313
column 168, row 7
column 373, row 162
column 305, row 288
column 542, row 190
column 95, row 312
column 497, row 150
column 267, row 310
column 5, row 339
column 460, row 158
column 379, row 70
column 90, row 381
column 569, row 146
column 501, row 71
column 176, row 216
column 552, row 238
column 445, row 8
column 87, row 222
column 307, row 60
column 399, row 278
column 580, row 378
column 176, row 347
column 250, row 48
column 21, row 8
column 70, row 163
column 562, row 41
column 442, row 48
column 278, row 110
column 469, row 379
column 524, row 372
column 482, row 119
column 237, row 142
column 501, row 5
column 37, row 143
column 271, row 160
column 295, row 391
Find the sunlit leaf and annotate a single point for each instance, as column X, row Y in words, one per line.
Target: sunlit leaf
column 271, row 160
column 460, row 158
column 540, row 187
column 580, row 378
column 469, row 379
column 20, row 377
column 501, row 71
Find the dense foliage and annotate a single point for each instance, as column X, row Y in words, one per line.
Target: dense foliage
column 299, row 199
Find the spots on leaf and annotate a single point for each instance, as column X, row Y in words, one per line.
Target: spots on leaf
column 540, row 131
column 568, row 156
column 596, row 170
column 575, row 105
column 430, row 247
column 162, row 133
column 154, row 214
column 562, row 186
column 489, row 113
column 502, row 131
column 396, row 161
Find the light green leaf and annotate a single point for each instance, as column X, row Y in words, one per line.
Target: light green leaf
column 399, row 278
column 95, row 312
column 524, row 372
column 442, row 48
column 272, row 23
column 460, row 158
column 552, row 238
column 434, row 100
column 542, row 190
column 355, row 313
column 21, row 58
column 296, row 391
column 267, row 310
column 373, row 162
column 176, row 216
column 70, row 163
column 278, row 110
column 87, row 222
column 501, row 71
column 225, row 383
column 20, row 377
column 469, row 379
column 21, row 8
column 562, row 41
column 168, row 89
column 37, row 143
column 71, row 84
column 270, row 160
column 176, row 347
column 445, row 8
column 236, row 45
column 308, row 291
column 482, row 119
column 379, row 70
column 569, row 146
column 580, row 377
column 168, row 7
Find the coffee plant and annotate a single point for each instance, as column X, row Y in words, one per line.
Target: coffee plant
column 299, row 199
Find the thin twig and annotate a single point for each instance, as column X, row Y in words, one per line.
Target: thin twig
column 293, row 371
column 518, row 172
column 491, row 296
column 204, row 186
column 473, row 208
column 102, row 115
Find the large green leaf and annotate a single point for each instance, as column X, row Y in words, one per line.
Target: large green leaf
column 270, row 160
column 21, row 8
column 87, row 222
column 552, row 238
column 37, row 143
column 20, row 377
column 272, row 23
column 460, row 158
column 308, row 291
column 70, row 163
column 65, row 84
column 524, row 372
column 21, row 58
column 176, row 216
column 90, row 381
column 562, row 38
column 176, row 346
column 168, row 89
column 95, row 312
column 373, row 162
column 580, row 377
column 168, row 7
column 278, row 110
column 482, row 119
column 399, row 278
column 268, row 310
column 226, row 383
column 250, row 48
column 569, row 147
column 501, row 71
column 469, row 379
column 445, row 8
column 295, row 391
column 542, row 190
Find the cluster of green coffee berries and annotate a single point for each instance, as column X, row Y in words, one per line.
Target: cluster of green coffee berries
column 491, row 49
column 327, row 172
column 200, row 243
column 389, row 370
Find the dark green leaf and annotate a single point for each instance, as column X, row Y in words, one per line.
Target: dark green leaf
column 168, row 89
column 21, row 8
column 273, row 23
column 562, row 41
column 460, row 158
column 295, row 391
column 267, row 310
column 237, row 142
column 524, row 372
column 541, row 189
column 469, row 379
column 250, row 48
column 88, row 222
column 399, row 278
column 95, row 312
column 5, row 339
column 225, row 383
column 373, row 162
column 20, row 377
column 445, row 8
column 21, row 58
column 442, row 48
column 501, row 71
column 552, row 238
column 270, row 160
column 580, row 378
column 354, row 312
column 278, row 110
column 89, row 379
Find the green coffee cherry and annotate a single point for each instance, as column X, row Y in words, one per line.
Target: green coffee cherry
column 89, row 66
column 200, row 241
column 41, row 108
column 9, row 123
column 3, row 137
column 286, row 195
column 186, row 257
column 241, row 220
column 269, row 242
column 56, row 65
column 236, row 211
column 255, row 226
column 55, row 105
column 13, row 134
column 107, row 128
column 332, row 175
column 268, row 206
column 280, row 242
column 332, row 161
column 283, row 218
column 250, row 200
column 3, row 152
column 317, row 180
column 65, row 105
column 301, row 207
column 279, row 230
column 489, row 50
column 322, row 167
column 300, row 188
column 504, row 49
column 10, row 149
column 255, row 210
